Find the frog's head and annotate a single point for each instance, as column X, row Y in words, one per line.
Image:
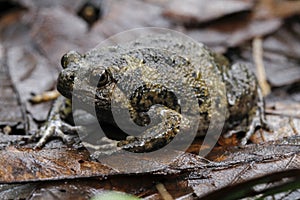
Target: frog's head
column 65, row 82
column 85, row 80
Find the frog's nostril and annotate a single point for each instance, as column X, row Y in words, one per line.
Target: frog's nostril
column 72, row 77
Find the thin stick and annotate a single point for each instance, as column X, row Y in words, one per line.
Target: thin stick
column 45, row 96
column 163, row 192
column 260, row 68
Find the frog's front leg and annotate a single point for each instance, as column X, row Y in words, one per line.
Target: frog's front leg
column 169, row 124
column 259, row 119
column 55, row 126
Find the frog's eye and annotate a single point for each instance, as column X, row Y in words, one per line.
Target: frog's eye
column 69, row 57
column 99, row 79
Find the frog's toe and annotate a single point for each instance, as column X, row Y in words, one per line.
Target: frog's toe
column 68, row 139
column 104, row 144
column 98, row 154
column 57, row 128
column 46, row 133
column 248, row 131
column 105, row 148
column 138, row 145
column 67, row 128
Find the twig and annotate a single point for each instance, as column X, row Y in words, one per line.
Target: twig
column 291, row 122
column 239, row 175
column 163, row 192
column 260, row 68
column 46, row 96
column 266, row 9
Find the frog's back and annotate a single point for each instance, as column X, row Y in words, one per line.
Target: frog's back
column 212, row 81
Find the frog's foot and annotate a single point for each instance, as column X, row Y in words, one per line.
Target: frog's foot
column 157, row 136
column 252, row 127
column 56, row 128
column 259, row 120
column 249, row 130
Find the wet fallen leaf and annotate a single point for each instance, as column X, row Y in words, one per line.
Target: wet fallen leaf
column 12, row 112
column 19, row 165
column 120, row 17
column 233, row 31
column 72, row 5
column 200, row 11
column 57, row 31
column 275, row 8
column 285, row 41
column 280, row 69
column 282, row 183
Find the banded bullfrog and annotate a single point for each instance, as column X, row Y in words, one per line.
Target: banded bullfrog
column 145, row 78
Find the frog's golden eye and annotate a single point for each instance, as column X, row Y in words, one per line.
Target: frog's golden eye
column 64, row 61
column 70, row 57
column 99, row 79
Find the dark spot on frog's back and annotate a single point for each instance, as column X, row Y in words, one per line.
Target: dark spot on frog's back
column 148, row 95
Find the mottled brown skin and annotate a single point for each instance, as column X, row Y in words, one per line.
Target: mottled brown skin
column 102, row 69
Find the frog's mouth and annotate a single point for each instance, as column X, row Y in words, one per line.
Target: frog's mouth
column 89, row 98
